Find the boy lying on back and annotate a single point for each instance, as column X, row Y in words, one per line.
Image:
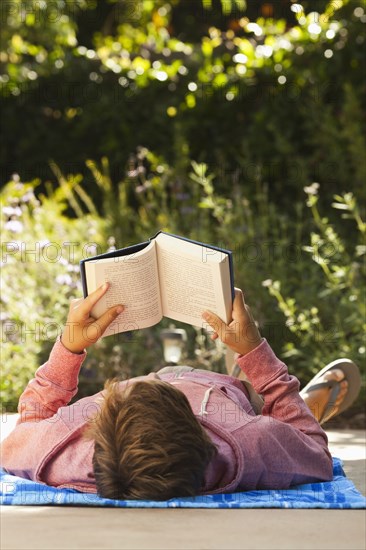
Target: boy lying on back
column 178, row 433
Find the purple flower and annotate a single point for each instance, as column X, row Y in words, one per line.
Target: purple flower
column 187, row 210
column 12, row 211
column 312, row 189
column 15, row 226
column 182, row 196
column 28, row 196
column 64, row 279
column 140, row 189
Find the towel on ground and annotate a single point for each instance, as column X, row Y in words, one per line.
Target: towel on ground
column 338, row 493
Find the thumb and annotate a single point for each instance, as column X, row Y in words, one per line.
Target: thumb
column 108, row 317
column 239, row 303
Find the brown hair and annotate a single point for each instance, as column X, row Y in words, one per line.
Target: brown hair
column 148, row 443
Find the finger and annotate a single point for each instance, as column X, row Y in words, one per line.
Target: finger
column 75, row 303
column 90, row 301
column 107, row 318
column 214, row 321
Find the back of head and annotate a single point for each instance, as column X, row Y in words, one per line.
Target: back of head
column 148, row 443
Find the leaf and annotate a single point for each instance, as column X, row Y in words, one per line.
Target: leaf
column 340, row 206
column 360, row 250
column 207, row 4
column 338, row 198
column 99, row 177
column 86, row 199
column 67, row 187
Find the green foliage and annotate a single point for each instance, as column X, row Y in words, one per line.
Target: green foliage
column 202, row 118
column 258, row 94
column 37, row 38
column 326, row 316
column 315, row 321
column 39, row 254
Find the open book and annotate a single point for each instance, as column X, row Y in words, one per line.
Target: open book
column 167, row 276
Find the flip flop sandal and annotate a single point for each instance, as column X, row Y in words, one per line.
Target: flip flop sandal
column 351, row 373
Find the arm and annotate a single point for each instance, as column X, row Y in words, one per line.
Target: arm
column 291, row 447
column 56, row 381
column 285, row 444
column 280, row 390
column 54, row 385
column 41, row 428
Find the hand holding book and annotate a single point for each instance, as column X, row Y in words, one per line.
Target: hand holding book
column 241, row 334
column 81, row 329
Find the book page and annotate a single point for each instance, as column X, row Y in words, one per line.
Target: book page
column 134, row 283
column 189, row 283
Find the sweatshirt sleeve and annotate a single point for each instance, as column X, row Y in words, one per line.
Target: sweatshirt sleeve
column 54, row 385
column 291, row 447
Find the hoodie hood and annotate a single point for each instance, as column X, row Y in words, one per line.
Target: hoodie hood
column 210, row 404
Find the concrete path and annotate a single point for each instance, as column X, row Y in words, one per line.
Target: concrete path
column 59, row 528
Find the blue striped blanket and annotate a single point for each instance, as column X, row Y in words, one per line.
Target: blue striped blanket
column 338, row 493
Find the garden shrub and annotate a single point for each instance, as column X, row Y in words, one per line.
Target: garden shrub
column 206, row 119
column 315, row 276
column 282, row 96
column 40, row 253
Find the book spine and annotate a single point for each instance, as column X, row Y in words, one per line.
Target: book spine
column 83, row 278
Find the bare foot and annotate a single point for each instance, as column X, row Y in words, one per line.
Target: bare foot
column 317, row 400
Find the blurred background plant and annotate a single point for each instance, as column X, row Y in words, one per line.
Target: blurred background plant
column 202, row 118
column 316, row 321
column 328, row 317
column 269, row 86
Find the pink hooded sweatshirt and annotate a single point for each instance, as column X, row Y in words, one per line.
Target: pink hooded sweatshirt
column 283, row 446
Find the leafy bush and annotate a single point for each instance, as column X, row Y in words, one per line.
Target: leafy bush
column 41, row 250
column 326, row 313
column 324, row 318
column 280, row 96
column 264, row 102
